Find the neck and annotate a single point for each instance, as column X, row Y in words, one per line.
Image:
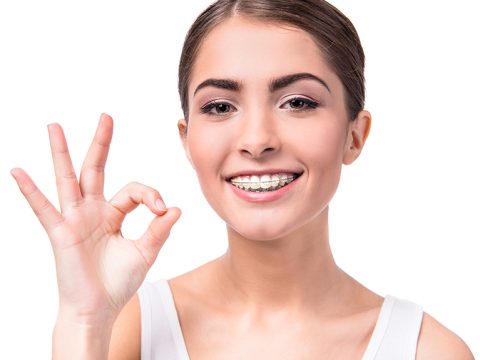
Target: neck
column 295, row 271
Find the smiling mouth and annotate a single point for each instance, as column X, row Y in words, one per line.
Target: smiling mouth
column 263, row 183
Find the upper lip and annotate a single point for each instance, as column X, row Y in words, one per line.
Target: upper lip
column 259, row 172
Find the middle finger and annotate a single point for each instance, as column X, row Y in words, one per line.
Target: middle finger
column 92, row 176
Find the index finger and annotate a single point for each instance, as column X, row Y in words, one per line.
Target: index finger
column 92, row 176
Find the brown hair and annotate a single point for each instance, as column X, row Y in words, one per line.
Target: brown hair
column 330, row 29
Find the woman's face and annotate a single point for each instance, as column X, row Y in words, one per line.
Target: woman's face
column 265, row 109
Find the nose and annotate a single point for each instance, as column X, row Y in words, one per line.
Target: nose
column 258, row 136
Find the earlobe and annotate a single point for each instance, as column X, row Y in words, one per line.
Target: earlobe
column 358, row 131
column 182, row 132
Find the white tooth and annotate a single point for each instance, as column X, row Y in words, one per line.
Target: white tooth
column 275, row 180
column 246, row 183
column 238, row 182
column 265, row 181
column 254, row 182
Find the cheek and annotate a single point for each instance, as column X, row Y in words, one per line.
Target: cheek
column 207, row 150
column 322, row 148
column 321, row 142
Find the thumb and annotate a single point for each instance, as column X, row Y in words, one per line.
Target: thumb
column 157, row 233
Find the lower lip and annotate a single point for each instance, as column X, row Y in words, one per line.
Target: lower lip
column 266, row 196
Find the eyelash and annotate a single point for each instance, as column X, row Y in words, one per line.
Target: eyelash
column 205, row 109
column 309, row 105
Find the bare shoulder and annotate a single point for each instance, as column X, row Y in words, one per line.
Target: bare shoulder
column 436, row 342
column 126, row 339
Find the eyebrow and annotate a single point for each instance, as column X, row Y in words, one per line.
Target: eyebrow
column 274, row 85
column 286, row 80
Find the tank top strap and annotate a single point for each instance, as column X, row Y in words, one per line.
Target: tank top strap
column 395, row 335
column 161, row 334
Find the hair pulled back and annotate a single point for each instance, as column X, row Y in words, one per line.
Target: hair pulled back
column 331, row 30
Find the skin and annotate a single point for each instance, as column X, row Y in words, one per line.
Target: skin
column 279, row 269
column 277, row 290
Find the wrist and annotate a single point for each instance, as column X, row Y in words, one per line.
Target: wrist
column 81, row 338
column 92, row 319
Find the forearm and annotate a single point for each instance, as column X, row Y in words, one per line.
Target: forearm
column 74, row 340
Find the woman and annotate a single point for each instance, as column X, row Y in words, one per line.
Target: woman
column 273, row 95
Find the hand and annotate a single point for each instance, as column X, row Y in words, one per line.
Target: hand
column 98, row 270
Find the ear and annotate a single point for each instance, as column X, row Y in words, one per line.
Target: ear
column 182, row 131
column 357, row 134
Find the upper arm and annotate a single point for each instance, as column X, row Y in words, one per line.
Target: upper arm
column 436, row 342
column 126, row 334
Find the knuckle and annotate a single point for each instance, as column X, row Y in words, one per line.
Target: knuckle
column 103, row 145
column 70, row 175
column 155, row 194
column 150, row 234
column 62, row 151
column 41, row 207
column 98, row 168
column 133, row 184
column 153, row 235
column 30, row 190
column 142, row 188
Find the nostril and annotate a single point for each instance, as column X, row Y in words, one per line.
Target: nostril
column 259, row 153
column 268, row 150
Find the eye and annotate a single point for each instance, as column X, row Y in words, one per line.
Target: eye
column 216, row 108
column 301, row 104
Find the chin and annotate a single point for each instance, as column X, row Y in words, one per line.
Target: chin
column 256, row 234
column 261, row 229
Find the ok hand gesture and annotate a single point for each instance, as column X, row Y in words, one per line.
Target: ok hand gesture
column 98, row 270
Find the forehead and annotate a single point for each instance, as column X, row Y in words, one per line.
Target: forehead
column 254, row 51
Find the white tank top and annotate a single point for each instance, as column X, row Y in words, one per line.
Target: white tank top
column 394, row 337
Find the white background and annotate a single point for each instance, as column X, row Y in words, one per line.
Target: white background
column 405, row 220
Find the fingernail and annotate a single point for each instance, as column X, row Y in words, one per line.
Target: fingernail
column 51, row 126
column 160, row 206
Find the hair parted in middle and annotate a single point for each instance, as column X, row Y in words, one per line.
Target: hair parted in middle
column 331, row 30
